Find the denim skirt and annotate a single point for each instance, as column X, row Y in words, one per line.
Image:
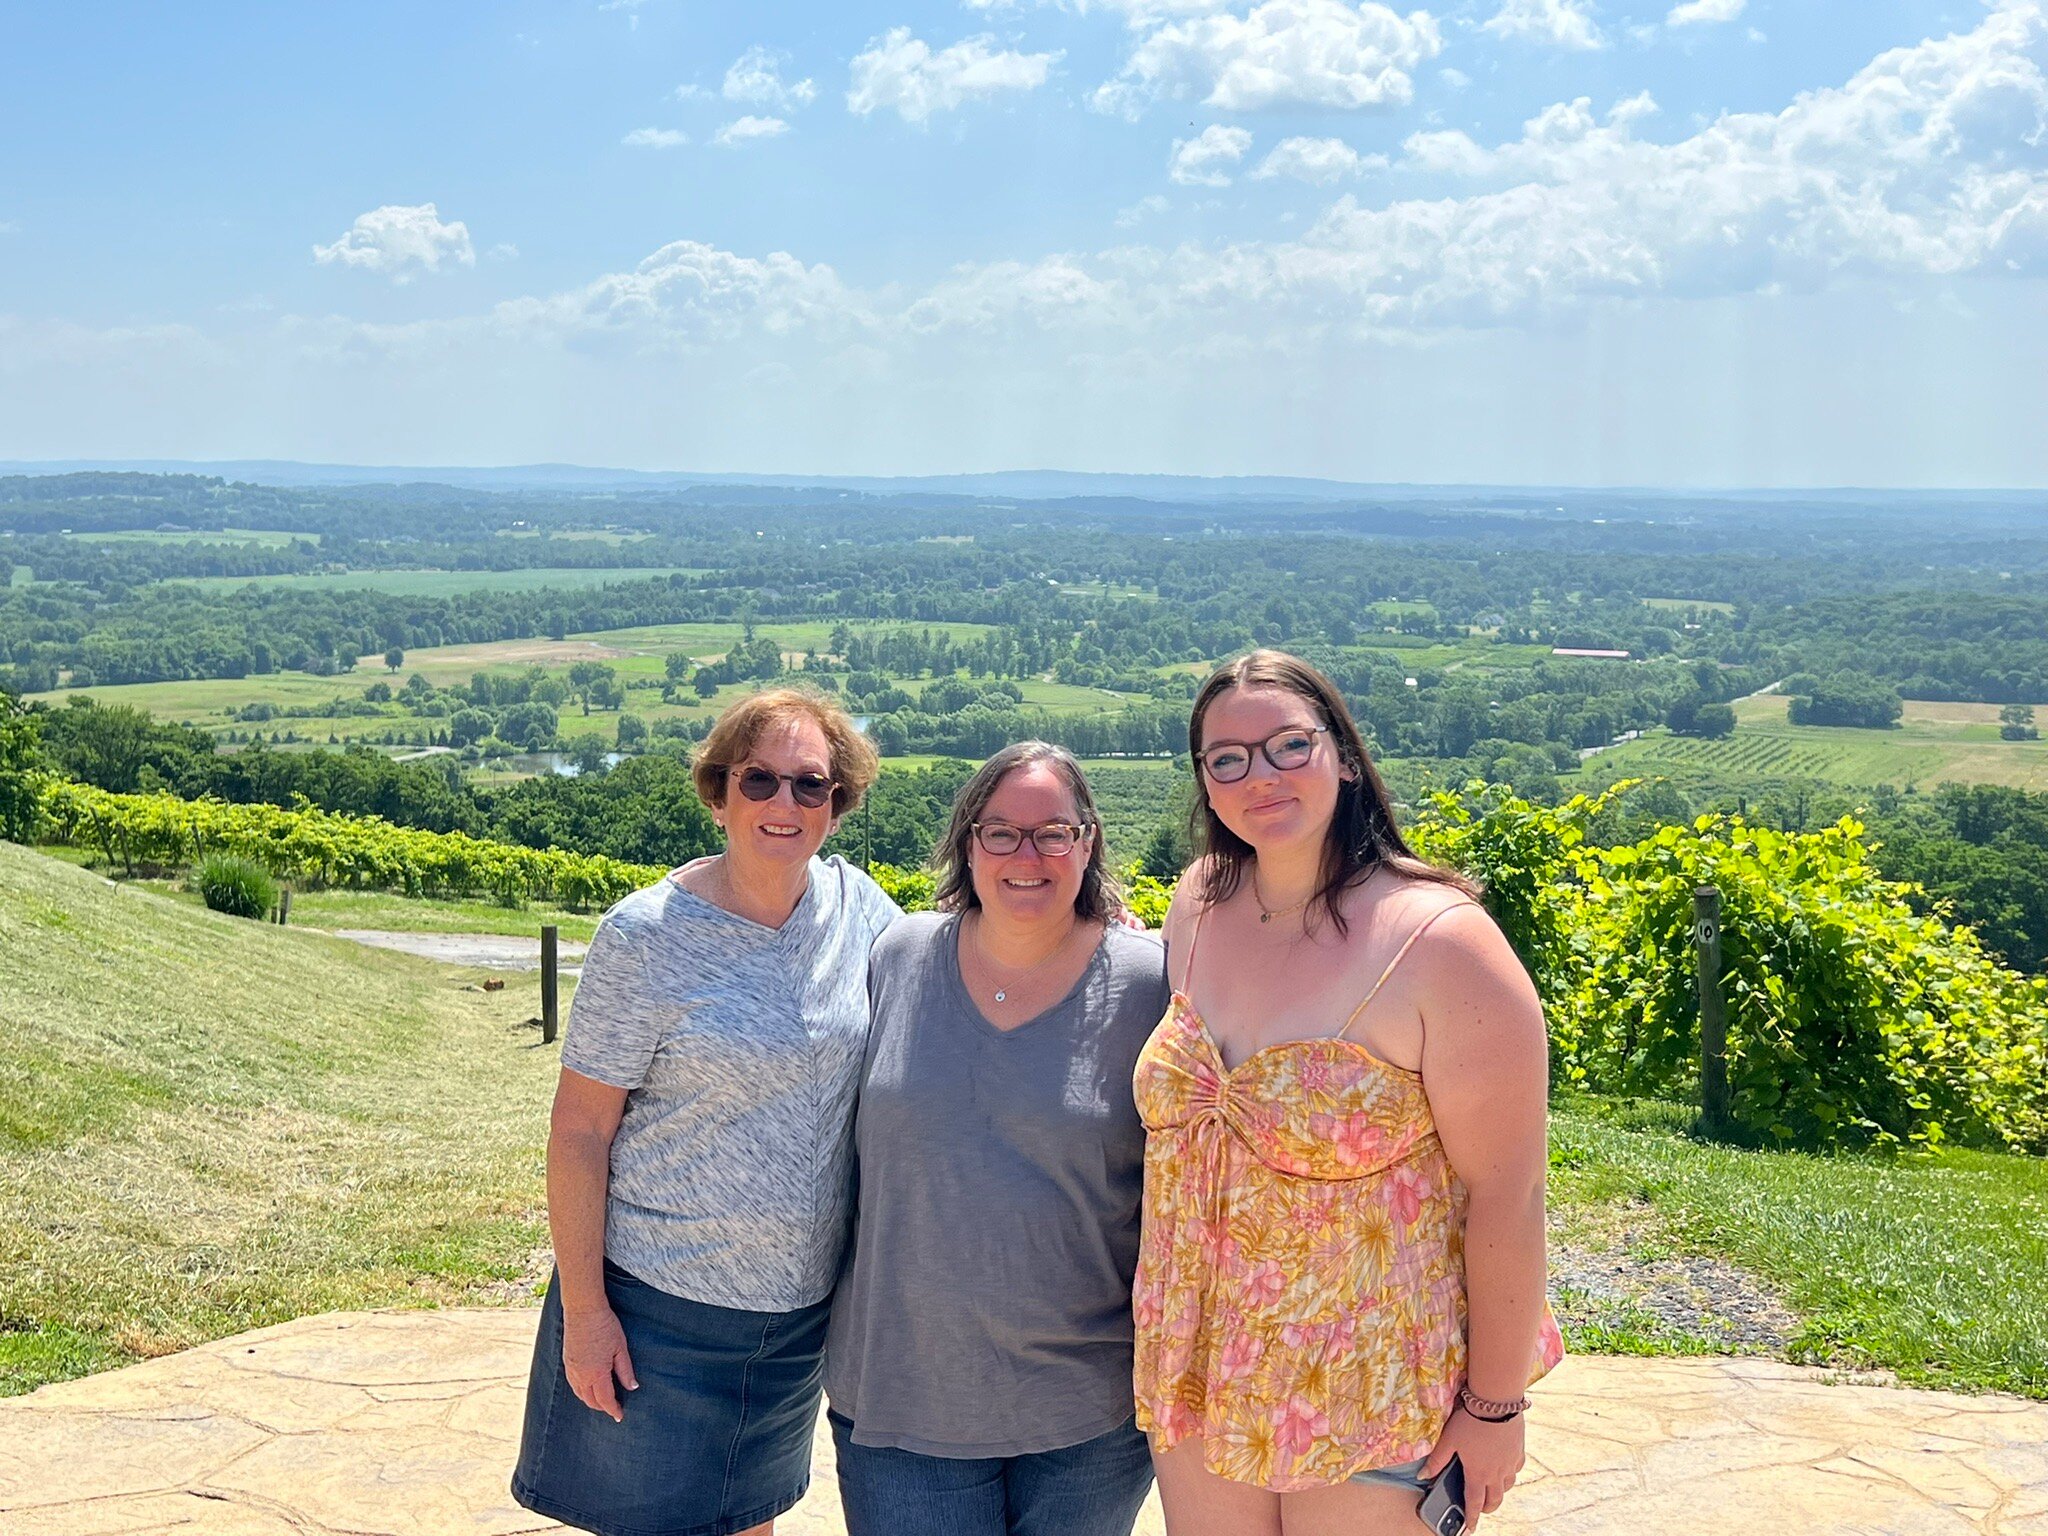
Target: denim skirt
column 716, row 1439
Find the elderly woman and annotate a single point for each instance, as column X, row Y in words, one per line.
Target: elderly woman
column 979, row 1364
column 699, row 1159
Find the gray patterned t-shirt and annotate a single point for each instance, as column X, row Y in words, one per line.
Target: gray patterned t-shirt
column 740, row 1050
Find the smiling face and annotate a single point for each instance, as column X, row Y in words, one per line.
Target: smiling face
column 1026, row 886
column 1271, row 808
column 777, row 832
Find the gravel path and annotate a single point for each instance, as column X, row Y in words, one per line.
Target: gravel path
column 492, row 951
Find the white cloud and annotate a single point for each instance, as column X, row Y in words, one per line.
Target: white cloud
column 1144, row 208
column 1318, row 161
column 1456, row 79
column 1320, row 53
column 1201, row 161
column 1696, row 12
column 1561, row 23
column 1560, row 139
column 902, row 71
column 756, row 76
column 744, row 130
column 504, row 250
column 655, row 138
column 400, row 241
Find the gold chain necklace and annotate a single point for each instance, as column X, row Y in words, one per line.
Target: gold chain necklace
column 1266, row 915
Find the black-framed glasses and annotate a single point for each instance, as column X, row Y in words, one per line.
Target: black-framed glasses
column 1053, row 839
column 1229, row 761
column 809, row 790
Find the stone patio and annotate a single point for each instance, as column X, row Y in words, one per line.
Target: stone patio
column 405, row 1423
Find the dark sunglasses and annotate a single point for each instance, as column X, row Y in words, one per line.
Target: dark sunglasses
column 1229, row 761
column 809, row 790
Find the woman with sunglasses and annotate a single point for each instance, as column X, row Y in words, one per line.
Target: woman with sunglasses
column 1342, row 1279
column 979, row 1362
column 699, row 1159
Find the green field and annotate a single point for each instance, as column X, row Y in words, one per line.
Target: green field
column 1934, row 744
column 261, row 538
column 21, row 576
column 1680, row 604
column 208, row 1125
column 452, row 583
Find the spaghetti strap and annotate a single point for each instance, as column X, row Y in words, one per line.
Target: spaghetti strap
column 1399, row 955
column 1187, row 977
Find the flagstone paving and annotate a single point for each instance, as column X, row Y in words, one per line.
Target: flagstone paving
column 405, row 1424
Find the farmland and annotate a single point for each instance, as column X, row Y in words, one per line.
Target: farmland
column 449, row 583
column 1935, row 743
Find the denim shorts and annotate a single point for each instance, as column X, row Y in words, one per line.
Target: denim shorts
column 1405, row 1474
column 716, row 1439
column 1092, row 1489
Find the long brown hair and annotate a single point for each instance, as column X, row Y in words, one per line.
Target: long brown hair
column 1099, row 896
column 1363, row 835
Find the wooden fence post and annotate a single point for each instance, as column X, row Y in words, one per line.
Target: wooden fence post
column 1706, row 942
column 550, row 1008
column 284, row 907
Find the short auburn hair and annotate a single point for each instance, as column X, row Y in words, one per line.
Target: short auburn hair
column 733, row 734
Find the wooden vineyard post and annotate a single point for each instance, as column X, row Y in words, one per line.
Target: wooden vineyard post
column 1706, row 942
column 284, row 907
column 550, row 1007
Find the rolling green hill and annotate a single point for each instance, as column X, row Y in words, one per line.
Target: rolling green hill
column 208, row 1125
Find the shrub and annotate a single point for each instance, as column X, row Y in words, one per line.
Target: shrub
column 237, row 886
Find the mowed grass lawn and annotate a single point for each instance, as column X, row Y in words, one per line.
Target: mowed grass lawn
column 1933, row 1266
column 1933, row 744
column 208, row 1124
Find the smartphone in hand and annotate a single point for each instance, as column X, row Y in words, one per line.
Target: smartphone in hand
column 1443, row 1508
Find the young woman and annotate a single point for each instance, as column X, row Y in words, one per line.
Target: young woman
column 979, row 1363
column 1341, row 1284
column 699, row 1160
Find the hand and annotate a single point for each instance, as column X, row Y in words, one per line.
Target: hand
column 593, row 1352
column 1491, row 1454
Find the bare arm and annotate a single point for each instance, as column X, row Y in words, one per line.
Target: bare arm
column 585, row 1118
column 1485, row 1067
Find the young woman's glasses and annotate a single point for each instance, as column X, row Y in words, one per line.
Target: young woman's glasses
column 809, row 790
column 1054, row 840
column 1229, row 761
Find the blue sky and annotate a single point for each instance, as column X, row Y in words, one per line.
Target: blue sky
column 1696, row 242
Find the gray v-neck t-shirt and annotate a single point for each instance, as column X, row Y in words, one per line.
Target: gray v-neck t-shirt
column 740, row 1048
column 987, row 1307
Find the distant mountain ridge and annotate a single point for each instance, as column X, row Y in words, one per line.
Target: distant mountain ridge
column 1020, row 484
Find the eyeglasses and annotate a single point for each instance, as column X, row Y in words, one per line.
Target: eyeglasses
column 1229, row 761
column 809, row 790
column 1054, row 840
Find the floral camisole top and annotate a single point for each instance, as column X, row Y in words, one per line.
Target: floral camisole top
column 1300, row 1294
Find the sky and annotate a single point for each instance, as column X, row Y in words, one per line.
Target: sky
column 1711, row 243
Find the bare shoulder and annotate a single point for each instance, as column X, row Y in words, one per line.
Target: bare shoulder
column 1455, row 936
column 696, row 876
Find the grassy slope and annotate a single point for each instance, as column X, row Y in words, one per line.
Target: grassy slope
column 1932, row 1266
column 208, row 1125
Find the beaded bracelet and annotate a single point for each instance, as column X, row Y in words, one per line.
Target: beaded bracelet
column 1489, row 1411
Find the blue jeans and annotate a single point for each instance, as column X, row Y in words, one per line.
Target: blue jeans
column 1091, row 1489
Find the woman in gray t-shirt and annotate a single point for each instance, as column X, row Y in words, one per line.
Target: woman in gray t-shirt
column 979, row 1357
column 700, row 1155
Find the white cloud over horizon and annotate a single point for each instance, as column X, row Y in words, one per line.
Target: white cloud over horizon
column 1558, row 23
column 1204, row 160
column 1691, row 13
column 399, row 241
column 900, row 71
column 756, row 76
column 749, row 129
column 1319, row 53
